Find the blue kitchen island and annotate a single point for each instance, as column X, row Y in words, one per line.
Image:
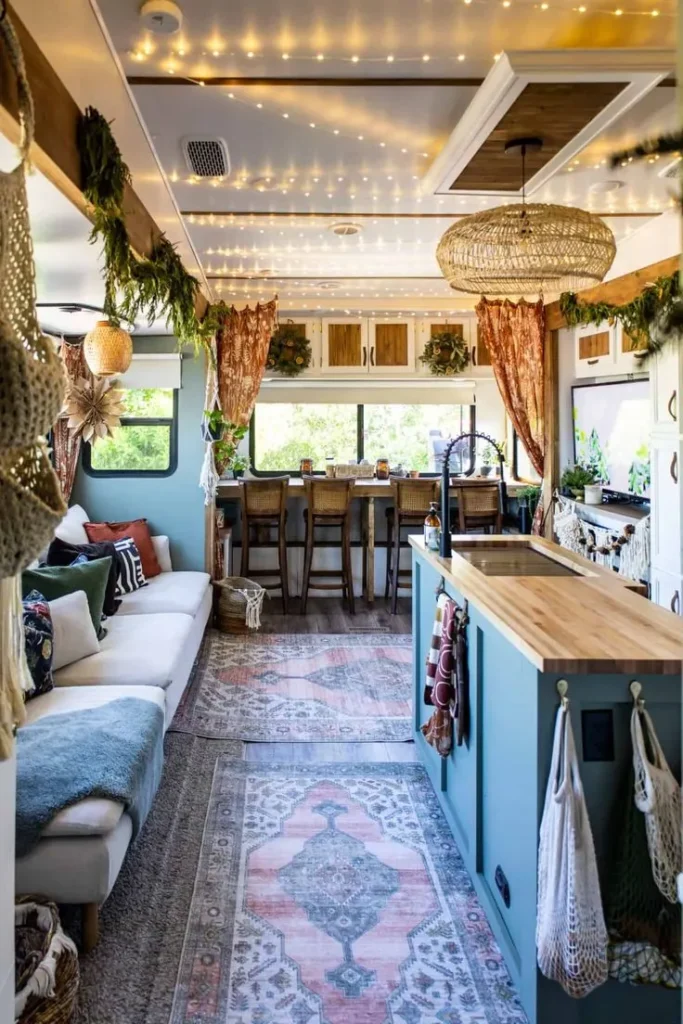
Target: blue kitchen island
column 537, row 615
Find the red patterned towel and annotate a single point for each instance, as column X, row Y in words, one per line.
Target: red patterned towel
column 438, row 731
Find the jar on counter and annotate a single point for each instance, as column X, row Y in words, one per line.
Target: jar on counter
column 306, row 467
column 382, row 471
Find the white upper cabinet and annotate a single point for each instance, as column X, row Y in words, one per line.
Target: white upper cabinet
column 666, row 373
column 391, row 347
column 308, row 327
column 595, row 350
column 626, row 353
column 345, row 346
column 479, row 364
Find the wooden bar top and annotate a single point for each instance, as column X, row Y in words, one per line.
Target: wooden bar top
column 588, row 621
column 370, row 488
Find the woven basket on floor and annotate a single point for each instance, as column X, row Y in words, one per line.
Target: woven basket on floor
column 231, row 601
column 47, row 976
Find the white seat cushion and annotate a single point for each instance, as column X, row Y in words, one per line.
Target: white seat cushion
column 94, row 816
column 138, row 650
column 168, row 592
column 71, row 529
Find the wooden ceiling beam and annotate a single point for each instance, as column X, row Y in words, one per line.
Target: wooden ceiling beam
column 618, row 291
column 55, row 151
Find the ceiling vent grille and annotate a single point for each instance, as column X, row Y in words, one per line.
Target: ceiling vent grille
column 346, row 229
column 672, row 171
column 206, row 156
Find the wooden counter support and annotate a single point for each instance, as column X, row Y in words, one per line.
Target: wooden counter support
column 524, row 634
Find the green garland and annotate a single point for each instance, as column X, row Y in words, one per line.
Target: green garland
column 446, row 354
column 157, row 287
column 289, row 351
column 649, row 319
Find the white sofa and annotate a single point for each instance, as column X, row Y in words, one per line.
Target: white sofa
column 149, row 651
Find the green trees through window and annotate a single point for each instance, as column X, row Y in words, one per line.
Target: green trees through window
column 145, row 441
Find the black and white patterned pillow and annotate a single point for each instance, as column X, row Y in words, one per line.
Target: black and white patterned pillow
column 131, row 577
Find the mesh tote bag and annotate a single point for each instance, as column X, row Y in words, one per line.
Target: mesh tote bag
column 32, row 378
column 658, row 796
column 571, row 936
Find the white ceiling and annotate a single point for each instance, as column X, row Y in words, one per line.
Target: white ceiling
column 343, row 152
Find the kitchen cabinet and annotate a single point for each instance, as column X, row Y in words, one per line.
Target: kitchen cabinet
column 595, row 350
column 344, row 346
column 391, row 347
column 310, row 328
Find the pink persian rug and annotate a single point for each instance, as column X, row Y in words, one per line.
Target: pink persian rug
column 335, row 894
column 310, row 688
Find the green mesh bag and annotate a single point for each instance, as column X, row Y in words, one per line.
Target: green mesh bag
column 644, row 928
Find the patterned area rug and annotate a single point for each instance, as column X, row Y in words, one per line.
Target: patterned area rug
column 300, row 688
column 335, row 894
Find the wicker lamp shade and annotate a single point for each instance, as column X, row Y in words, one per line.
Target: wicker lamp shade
column 108, row 350
column 526, row 249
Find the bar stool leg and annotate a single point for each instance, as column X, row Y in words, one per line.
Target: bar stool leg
column 284, row 571
column 387, row 574
column 244, row 569
column 347, row 567
column 396, row 565
column 308, row 560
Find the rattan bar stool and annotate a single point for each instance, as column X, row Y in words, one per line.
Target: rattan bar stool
column 411, row 501
column 480, row 507
column 264, row 506
column 328, row 504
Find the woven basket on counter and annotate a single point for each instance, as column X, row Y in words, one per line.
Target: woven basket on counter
column 237, row 605
column 47, row 976
column 357, row 472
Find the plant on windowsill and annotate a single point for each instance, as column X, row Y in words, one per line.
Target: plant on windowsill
column 240, row 463
column 575, row 479
column 489, row 459
column 446, row 354
column 225, row 449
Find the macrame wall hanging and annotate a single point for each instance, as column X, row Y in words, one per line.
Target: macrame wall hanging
column 628, row 551
column 31, row 395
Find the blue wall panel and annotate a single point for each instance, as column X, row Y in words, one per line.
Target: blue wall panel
column 174, row 505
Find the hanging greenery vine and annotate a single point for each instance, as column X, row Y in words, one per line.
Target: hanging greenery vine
column 290, row 350
column 158, row 286
column 650, row 319
column 446, row 354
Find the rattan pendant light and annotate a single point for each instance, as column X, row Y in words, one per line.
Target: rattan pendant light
column 526, row 249
column 108, row 349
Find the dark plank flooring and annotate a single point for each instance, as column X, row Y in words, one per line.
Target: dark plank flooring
column 328, row 615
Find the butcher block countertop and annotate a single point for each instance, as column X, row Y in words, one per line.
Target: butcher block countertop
column 562, row 612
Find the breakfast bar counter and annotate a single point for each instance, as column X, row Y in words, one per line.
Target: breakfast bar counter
column 538, row 615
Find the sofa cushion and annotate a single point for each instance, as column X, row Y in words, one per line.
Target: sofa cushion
column 138, row 650
column 71, row 529
column 55, row 581
column 38, row 643
column 138, row 529
column 169, row 592
column 73, row 634
column 94, row 816
column 162, row 549
column 62, row 553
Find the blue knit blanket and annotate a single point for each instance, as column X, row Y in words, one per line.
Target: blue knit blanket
column 114, row 751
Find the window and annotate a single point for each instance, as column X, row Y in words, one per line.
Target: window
column 283, row 433
column 521, row 463
column 146, row 441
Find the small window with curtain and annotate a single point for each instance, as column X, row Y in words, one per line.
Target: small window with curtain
column 522, row 468
column 146, row 442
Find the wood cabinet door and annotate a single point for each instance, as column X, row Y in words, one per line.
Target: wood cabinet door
column 594, row 350
column 428, row 328
column 344, row 346
column 665, row 464
column 479, row 353
column 392, row 347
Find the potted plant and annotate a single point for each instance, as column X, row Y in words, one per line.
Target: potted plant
column 489, row 459
column 225, row 448
column 527, row 500
column 213, row 425
column 238, row 465
column 575, row 479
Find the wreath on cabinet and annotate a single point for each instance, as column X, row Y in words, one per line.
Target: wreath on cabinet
column 290, row 350
column 446, row 354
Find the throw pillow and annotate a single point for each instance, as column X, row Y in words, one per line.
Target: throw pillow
column 131, row 576
column 55, row 581
column 38, row 642
column 63, row 553
column 138, row 530
column 73, row 634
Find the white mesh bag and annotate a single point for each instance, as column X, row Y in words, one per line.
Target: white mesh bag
column 658, row 796
column 571, row 937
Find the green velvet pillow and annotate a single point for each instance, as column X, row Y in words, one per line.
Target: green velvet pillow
column 54, row 581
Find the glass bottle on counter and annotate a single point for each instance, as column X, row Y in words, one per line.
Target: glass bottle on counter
column 382, row 471
column 306, row 467
column 432, row 528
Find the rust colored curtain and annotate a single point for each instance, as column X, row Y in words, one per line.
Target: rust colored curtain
column 241, row 351
column 66, row 444
column 514, row 334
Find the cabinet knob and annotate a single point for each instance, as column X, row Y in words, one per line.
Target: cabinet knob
column 676, row 603
column 673, row 468
column 474, row 355
column 372, row 356
column 670, row 406
column 365, row 356
column 592, row 362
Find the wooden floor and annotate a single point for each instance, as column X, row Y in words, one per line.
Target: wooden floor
column 327, row 615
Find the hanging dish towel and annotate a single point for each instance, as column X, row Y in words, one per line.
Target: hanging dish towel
column 658, row 796
column 438, row 731
column 434, row 647
column 571, row 936
column 461, row 704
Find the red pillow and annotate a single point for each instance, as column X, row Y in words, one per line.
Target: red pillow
column 138, row 530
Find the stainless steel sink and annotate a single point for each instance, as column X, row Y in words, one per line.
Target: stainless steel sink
column 517, row 560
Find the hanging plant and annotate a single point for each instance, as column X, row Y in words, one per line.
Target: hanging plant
column 290, row 351
column 158, row 286
column 446, row 354
column 652, row 318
